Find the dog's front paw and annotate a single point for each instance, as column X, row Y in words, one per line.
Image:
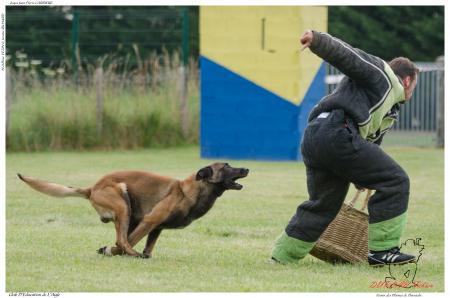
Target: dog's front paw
column 146, row 255
column 105, row 250
column 143, row 256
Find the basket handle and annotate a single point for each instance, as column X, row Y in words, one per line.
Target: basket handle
column 366, row 200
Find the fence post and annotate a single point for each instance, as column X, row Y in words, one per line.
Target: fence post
column 75, row 30
column 185, row 38
column 183, row 74
column 98, row 80
column 440, row 103
column 8, row 98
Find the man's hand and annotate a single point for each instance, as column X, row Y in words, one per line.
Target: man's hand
column 306, row 39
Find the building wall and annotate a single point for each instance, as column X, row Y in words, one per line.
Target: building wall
column 256, row 87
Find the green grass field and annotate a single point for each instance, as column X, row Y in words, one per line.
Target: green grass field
column 51, row 243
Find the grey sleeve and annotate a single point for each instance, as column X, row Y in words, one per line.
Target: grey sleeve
column 365, row 69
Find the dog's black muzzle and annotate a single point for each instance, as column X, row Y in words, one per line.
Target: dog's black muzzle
column 236, row 174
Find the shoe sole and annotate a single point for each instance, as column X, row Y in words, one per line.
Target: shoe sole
column 399, row 263
column 273, row 261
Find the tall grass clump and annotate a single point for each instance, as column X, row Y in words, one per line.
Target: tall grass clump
column 50, row 110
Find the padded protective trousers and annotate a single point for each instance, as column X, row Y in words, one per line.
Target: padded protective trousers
column 335, row 155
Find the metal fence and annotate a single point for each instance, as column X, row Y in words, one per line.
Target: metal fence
column 418, row 122
column 80, row 35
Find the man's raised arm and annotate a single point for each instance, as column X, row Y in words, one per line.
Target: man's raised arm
column 359, row 66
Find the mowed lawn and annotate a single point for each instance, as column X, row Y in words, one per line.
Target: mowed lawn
column 51, row 243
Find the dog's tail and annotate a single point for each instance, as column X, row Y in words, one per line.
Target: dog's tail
column 55, row 190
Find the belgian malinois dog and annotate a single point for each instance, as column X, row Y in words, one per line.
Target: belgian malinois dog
column 143, row 203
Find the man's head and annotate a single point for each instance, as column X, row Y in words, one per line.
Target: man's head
column 408, row 72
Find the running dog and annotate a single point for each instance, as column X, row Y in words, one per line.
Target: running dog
column 143, row 203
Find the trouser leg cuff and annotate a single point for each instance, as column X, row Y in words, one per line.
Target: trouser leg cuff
column 290, row 250
column 386, row 234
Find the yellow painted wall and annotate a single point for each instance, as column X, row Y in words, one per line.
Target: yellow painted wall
column 233, row 37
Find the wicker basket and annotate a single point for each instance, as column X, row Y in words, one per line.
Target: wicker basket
column 345, row 239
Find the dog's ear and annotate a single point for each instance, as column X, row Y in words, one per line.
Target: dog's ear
column 204, row 173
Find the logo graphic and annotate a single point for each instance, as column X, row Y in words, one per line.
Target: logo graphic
column 403, row 275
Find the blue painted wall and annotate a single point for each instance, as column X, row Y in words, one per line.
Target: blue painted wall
column 241, row 120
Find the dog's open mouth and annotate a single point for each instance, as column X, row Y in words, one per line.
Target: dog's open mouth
column 232, row 184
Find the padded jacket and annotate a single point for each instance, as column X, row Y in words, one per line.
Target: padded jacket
column 370, row 93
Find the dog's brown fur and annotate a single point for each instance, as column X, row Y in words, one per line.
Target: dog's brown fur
column 143, row 203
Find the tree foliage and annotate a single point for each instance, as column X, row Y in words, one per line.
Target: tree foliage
column 416, row 32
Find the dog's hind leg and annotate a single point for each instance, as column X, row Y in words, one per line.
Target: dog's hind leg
column 115, row 250
column 111, row 198
column 151, row 240
column 148, row 224
column 132, row 224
